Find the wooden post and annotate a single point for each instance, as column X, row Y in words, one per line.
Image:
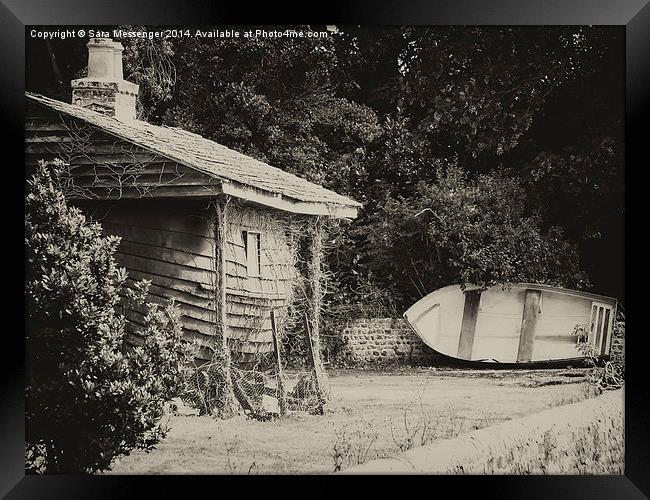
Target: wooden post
column 282, row 402
column 221, row 212
column 317, row 373
column 315, row 297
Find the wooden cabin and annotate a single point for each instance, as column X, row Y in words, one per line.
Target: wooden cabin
column 215, row 230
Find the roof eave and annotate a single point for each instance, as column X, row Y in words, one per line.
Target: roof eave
column 279, row 202
column 231, row 188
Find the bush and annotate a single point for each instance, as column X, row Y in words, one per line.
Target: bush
column 458, row 230
column 90, row 395
column 606, row 373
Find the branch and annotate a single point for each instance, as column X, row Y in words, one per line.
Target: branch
column 424, row 210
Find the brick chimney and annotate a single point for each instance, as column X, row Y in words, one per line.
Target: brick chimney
column 104, row 89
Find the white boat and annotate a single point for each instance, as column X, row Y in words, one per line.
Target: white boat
column 522, row 323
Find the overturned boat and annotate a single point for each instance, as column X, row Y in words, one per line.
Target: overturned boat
column 522, row 323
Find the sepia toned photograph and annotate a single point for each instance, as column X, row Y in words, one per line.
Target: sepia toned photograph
column 325, row 249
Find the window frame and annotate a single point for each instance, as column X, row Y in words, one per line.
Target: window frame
column 256, row 238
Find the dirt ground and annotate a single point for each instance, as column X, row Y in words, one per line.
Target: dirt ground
column 371, row 414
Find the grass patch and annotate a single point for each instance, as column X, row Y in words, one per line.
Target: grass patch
column 404, row 410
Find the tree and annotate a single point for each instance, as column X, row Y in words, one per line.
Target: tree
column 373, row 112
column 90, row 396
column 149, row 63
column 277, row 102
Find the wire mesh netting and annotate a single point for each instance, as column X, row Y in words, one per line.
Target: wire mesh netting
column 257, row 393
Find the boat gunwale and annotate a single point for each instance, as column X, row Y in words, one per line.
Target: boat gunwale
column 528, row 286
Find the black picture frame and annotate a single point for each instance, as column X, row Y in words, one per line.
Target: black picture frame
column 15, row 15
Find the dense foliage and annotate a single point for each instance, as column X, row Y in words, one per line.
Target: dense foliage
column 534, row 113
column 462, row 230
column 89, row 397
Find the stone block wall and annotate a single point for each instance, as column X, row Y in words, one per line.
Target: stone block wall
column 391, row 341
column 385, row 341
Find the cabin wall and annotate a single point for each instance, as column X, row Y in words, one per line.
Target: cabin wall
column 249, row 299
column 172, row 245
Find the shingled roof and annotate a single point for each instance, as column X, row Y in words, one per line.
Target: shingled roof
column 241, row 175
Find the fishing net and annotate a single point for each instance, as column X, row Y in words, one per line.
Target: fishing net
column 257, row 392
column 268, row 330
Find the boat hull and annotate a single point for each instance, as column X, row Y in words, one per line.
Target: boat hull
column 524, row 323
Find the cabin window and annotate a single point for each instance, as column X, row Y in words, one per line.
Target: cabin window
column 252, row 248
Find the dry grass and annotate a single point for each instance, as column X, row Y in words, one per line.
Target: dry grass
column 598, row 448
column 372, row 414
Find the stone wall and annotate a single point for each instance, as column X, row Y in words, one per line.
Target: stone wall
column 385, row 341
column 391, row 341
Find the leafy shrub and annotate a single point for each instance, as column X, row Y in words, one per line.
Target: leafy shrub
column 460, row 230
column 605, row 374
column 90, row 395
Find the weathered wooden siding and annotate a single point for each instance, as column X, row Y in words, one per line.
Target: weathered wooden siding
column 249, row 299
column 105, row 167
column 172, row 245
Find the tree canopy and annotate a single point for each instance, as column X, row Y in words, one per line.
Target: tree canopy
column 526, row 119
